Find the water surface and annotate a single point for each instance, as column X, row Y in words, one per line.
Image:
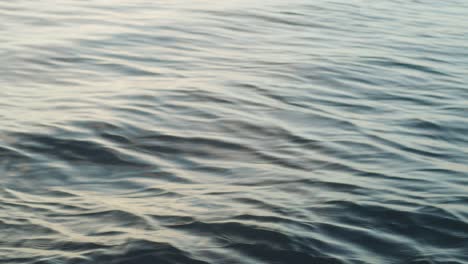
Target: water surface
column 233, row 132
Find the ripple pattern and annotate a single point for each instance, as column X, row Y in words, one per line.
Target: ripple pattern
column 198, row 132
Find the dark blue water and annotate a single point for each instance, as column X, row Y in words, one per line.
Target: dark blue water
column 195, row 132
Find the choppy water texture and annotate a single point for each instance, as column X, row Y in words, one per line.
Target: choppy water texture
column 250, row 132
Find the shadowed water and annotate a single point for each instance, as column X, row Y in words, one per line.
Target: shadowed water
column 249, row 132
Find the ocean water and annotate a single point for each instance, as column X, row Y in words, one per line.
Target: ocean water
column 257, row 132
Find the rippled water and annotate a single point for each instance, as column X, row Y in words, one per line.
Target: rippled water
column 233, row 132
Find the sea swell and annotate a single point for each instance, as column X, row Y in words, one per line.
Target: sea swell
column 240, row 132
